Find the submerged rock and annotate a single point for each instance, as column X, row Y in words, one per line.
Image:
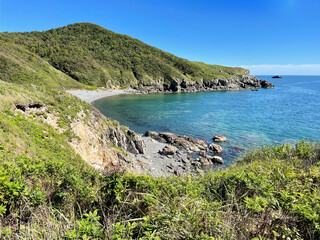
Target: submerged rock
column 237, row 148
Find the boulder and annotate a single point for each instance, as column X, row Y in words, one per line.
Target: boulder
column 209, row 160
column 182, row 143
column 168, row 137
column 217, row 159
column 219, row 138
column 140, row 145
column 155, row 136
column 203, row 154
column 131, row 147
column 266, row 84
column 204, row 161
column 197, row 142
column 215, row 148
column 188, row 143
column 168, row 150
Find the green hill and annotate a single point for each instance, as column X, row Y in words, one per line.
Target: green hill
column 18, row 65
column 96, row 56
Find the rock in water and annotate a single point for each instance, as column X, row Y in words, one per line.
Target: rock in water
column 277, row 76
column 217, row 159
column 215, row 148
column 180, row 141
column 266, row 84
column 209, row 160
column 219, row 138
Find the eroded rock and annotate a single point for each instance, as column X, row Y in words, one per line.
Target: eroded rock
column 217, row 159
column 168, row 150
column 187, row 143
column 215, row 148
column 217, row 138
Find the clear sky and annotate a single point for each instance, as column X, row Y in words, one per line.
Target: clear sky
column 267, row 36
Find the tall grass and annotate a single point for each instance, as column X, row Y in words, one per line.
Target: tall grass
column 271, row 193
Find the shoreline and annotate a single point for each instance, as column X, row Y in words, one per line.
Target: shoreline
column 151, row 161
column 90, row 96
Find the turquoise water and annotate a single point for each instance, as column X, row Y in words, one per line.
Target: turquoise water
column 287, row 113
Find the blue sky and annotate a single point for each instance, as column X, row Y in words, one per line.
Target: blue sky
column 267, row 36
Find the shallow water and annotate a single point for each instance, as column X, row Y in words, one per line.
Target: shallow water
column 287, row 113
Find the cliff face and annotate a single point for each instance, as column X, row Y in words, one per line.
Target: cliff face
column 100, row 141
column 96, row 139
column 180, row 85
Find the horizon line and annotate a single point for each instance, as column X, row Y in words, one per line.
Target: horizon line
column 284, row 69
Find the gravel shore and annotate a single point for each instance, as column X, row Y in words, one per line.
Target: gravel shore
column 151, row 162
column 93, row 95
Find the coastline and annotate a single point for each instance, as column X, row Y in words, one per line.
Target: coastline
column 230, row 84
column 90, row 96
column 151, row 161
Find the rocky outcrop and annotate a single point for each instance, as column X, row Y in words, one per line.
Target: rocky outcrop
column 209, row 160
column 217, row 138
column 126, row 139
column 187, row 143
column 168, row 150
column 277, row 76
column 98, row 140
column 215, row 148
column 181, row 85
column 121, row 137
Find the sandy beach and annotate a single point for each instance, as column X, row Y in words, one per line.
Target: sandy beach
column 90, row 96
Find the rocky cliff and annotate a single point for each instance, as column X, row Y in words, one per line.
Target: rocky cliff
column 95, row 138
column 180, row 85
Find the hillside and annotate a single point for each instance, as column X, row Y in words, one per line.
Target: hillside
column 96, row 56
column 18, row 65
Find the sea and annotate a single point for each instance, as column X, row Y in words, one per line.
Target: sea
column 249, row 119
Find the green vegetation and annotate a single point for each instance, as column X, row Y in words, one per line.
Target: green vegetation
column 96, row 56
column 48, row 192
column 271, row 193
column 19, row 65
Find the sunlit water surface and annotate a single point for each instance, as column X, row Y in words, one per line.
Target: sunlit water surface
column 287, row 113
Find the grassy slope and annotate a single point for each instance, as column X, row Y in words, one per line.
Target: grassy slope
column 272, row 193
column 96, row 56
column 19, row 65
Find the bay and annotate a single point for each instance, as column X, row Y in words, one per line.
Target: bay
column 287, row 113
